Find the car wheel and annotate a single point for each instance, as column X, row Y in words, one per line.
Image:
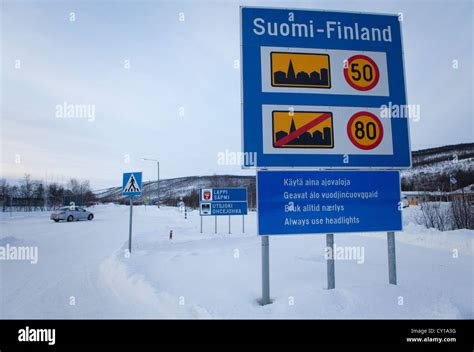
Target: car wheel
column 70, row 218
column 90, row 217
column 56, row 220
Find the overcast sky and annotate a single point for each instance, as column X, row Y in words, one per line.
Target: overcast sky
column 179, row 101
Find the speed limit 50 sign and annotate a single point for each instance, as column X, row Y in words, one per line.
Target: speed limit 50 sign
column 316, row 85
column 361, row 72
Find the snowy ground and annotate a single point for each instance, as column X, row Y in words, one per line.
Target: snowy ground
column 218, row 275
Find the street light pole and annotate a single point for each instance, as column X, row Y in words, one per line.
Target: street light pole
column 158, row 183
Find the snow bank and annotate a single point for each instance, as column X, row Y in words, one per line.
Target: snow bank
column 134, row 290
column 414, row 233
column 221, row 272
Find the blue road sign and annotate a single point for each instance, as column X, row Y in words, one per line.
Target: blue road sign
column 223, row 201
column 304, row 202
column 224, row 208
column 224, row 194
column 132, row 184
column 323, row 89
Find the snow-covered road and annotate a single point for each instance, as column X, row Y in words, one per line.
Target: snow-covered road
column 83, row 270
column 67, row 272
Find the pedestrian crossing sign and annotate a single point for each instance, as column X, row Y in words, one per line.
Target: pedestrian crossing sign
column 132, row 184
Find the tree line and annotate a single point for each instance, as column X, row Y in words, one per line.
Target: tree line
column 433, row 182
column 31, row 195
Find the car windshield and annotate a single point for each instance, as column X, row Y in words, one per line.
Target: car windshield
column 64, row 208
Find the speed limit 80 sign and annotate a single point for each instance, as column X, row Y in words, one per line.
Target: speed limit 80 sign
column 365, row 130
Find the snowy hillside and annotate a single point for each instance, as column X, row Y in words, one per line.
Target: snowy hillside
column 440, row 154
column 431, row 168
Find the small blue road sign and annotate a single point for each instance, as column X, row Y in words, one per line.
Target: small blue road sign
column 223, row 201
column 223, row 194
column 305, row 202
column 132, row 184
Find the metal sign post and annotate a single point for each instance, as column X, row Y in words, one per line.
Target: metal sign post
column 265, row 271
column 201, row 223
column 229, row 224
column 215, row 224
column 243, row 223
column 131, row 186
column 392, row 261
column 130, row 227
column 330, row 261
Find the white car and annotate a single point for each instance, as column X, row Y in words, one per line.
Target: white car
column 71, row 213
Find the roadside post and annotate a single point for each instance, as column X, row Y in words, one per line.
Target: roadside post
column 320, row 90
column 131, row 186
column 265, row 271
column 130, row 225
column 392, row 261
column 331, row 274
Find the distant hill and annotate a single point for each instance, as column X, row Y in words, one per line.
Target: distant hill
column 430, row 171
column 432, row 167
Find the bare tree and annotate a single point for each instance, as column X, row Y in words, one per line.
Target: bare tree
column 80, row 192
column 462, row 212
column 14, row 193
column 38, row 194
column 84, row 187
column 26, row 191
column 433, row 215
column 55, row 195
column 4, row 193
column 74, row 186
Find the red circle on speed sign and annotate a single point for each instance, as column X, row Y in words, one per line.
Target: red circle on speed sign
column 361, row 72
column 365, row 130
